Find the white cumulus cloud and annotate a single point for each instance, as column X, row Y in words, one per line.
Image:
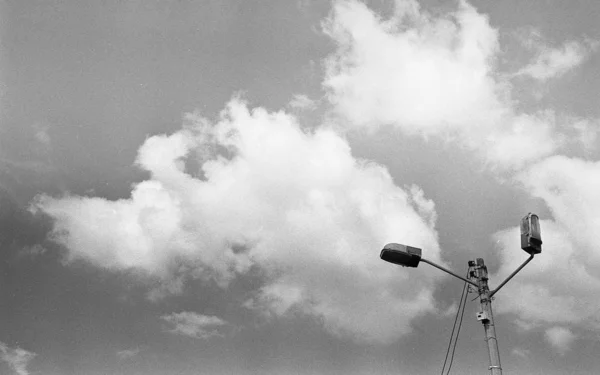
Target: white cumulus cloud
column 301, row 101
column 560, row 338
column 587, row 133
column 194, row 325
column 553, row 62
column 16, row 358
column 431, row 75
column 271, row 195
column 128, row 353
column 521, row 352
column 414, row 71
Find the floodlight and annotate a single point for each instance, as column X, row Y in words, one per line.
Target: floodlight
column 531, row 238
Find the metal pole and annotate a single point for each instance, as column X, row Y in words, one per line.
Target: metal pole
column 487, row 317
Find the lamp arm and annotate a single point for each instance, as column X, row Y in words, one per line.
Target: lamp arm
column 511, row 275
column 448, row 271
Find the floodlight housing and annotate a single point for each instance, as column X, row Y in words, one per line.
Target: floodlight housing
column 531, row 238
column 406, row 256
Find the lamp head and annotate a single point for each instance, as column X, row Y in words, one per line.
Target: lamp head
column 531, row 238
column 406, row 256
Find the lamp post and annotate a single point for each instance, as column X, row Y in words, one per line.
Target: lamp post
column 531, row 242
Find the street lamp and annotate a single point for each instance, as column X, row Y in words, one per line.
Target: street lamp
column 408, row 256
column 531, row 242
column 405, row 256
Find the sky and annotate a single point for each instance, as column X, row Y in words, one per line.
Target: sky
column 204, row 187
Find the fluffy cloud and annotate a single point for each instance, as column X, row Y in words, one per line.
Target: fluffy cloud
column 527, row 138
column 417, row 72
column 17, row 359
column 520, row 352
column 431, row 76
column 42, row 136
column 268, row 194
column 587, row 133
column 194, row 325
column 300, row 101
column 128, row 353
column 552, row 62
column 560, row 338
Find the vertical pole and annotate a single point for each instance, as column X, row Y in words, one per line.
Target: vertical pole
column 487, row 318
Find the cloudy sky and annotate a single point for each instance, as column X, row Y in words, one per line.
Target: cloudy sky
column 203, row 187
